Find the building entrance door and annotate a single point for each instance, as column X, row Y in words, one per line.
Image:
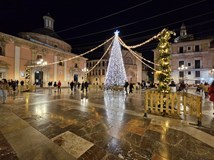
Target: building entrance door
column 75, row 77
column 39, row 78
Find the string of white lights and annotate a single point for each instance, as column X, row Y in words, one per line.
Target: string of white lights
column 101, row 57
column 149, row 40
column 39, row 65
column 131, row 51
column 140, row 57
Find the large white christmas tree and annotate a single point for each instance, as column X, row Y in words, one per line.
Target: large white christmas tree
column 116, row 74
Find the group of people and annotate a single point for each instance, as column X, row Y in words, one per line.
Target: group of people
column 131, row 87
column 73, row 85
column 57, row 86
column 8, row 87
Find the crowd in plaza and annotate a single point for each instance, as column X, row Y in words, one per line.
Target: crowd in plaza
column 10, row 87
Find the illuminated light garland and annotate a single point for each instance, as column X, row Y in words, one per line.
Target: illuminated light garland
column 116, row 74
column 101, row 58
column 134, row 54
column 140, row 57
column 32, row 66
column 147, row 41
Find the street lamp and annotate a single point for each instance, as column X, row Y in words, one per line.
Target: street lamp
column 41, row 62
column 183, row 69
column 85, row 70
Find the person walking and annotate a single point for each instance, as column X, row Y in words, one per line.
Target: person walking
column 211, row 94
column 131, row 87
column 86, row 86
column 59, row 87
column 126, row 86
column 55, row 85
column 82, row 86
column 49, row 87
column 72, row 85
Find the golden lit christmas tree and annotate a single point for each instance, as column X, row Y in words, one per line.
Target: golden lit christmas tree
column 164, row 61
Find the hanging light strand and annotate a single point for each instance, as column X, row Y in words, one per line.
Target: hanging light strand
column 134, row 54
column 140, row 57
column 101, row 57
column 77, row 56
column 147, row 41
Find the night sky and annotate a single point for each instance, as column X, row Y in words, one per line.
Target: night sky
column 85, row 24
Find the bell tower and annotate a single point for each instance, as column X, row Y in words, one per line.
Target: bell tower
column 183, row 31
column 48, row 22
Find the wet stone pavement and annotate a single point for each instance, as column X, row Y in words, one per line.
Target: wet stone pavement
column 96, row 126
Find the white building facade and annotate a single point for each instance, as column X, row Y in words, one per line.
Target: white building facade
column 191, row 59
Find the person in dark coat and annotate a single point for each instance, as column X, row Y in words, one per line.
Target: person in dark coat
column 55, row 85
column 86, row 86
column 82, row 86
column 126, row 86
column 131, row 87
column 72, row 85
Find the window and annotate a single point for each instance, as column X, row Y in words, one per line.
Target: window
column 103, row 71
column 87, row 65
column 189, row 48
column 197, row 73
column 189, row 72
column 1, row 51
column 181, row 50
column 1, row 75
column 39, row 56
column 76, row 65
column 197, row 81
column 181, row 63
column 197, row 64
column 196, row 48
column 181, row 74
column 103, row 63
column 212, row 44
column 189, row 64
column 99, row 72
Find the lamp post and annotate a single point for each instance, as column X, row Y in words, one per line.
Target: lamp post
column 85, row 70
